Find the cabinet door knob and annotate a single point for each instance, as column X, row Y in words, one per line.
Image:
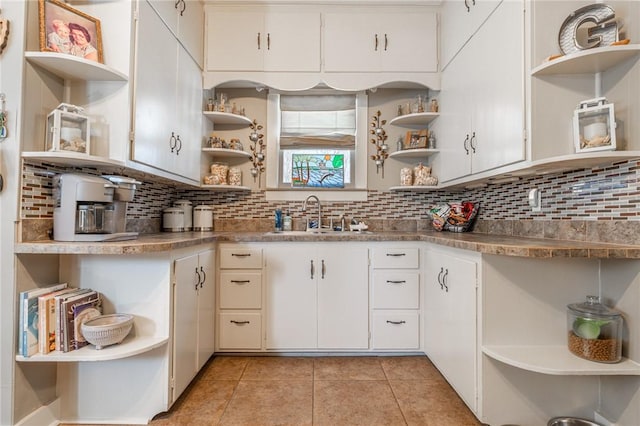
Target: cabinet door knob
column 466, row 141
column 241, row 281
column 172, row 141
column 258, row 41
column 178, row 144
column 268, row 41
column 396, row 254
column 466, row 4
column 375, row 46
column 184, row 6
column 204, row 276
column 396, row 322
column 444, row 280
column 396, row 282
column 440, row 278
column 313, row 269
column 199, row 279
column 471, row 144
column 386, row 42
column 324, row 269
column 241, row 254
column 240, row 322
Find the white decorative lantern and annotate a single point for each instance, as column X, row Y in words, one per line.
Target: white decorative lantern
column 594, row 126
column 67, row 130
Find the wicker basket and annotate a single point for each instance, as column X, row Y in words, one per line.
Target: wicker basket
column 107, row 330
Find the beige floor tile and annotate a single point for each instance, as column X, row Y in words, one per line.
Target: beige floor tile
column 278, row 368
column 270, row 402
column 409, row 368
column 224, row 368
column 425, row 403
column 353, row 403
column 348, row 368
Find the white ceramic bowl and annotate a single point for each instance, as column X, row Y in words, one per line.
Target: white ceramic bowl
column 107, row 329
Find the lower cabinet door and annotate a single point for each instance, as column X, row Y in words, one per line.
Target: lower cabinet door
column 240, row 330
column 396, row 330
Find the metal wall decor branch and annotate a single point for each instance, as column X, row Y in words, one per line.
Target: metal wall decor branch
column 257, row 150
column 379, row 138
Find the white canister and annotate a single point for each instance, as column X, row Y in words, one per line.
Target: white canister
column 203, row 218
column 173, row 219
column 187, row 207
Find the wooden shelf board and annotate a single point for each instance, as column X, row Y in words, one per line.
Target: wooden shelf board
column 414, row 120
column 69, row 158
column 588, row 61
column 413, row 153
column 226, row 188
column 227, row 118
column 224, row 152
column 129, row 347
column 557, row 360
column 74, row 68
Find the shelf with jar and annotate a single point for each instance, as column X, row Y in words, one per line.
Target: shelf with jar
column 221, row 110
column 71, row 67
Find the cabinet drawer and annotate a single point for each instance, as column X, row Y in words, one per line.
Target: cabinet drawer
column 240, row 290
column 240, row 258
column 386, row 258
column 396, row 290
column 396, row 330
column 240, row 330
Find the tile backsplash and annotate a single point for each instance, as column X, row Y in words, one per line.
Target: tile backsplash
column 609, row 193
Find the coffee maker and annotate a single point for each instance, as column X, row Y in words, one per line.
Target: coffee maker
column 85, row 209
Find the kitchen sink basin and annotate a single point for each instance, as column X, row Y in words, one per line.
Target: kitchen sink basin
column 316, row 232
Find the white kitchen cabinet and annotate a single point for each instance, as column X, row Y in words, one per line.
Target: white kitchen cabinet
column 260, row 40
column 450, row 309
column 317, row 296
column 354, row 41
column 240, row 297
column 185, row 19
column 167, row 117
column 481, row 124
column 459, row 20
column 194, row 317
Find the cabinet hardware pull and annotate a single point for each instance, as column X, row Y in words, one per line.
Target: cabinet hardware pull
column 241, row 281
column 172, row 141
column 240, row 322
column 375, row 48
column 184, row 6
column 324, row 269
column 466, row 4
column 396, row 282
column 396, row 254
column 396, row 322
column 204, row 276
column 178, row 144
column 440, row 278
column 471, row 144
column 444, row 280
column 466, row 140
column 268, row 41
column 241, row 254
column 258, row 41
column 386, row 42
column 312, row 270
column 199, row 278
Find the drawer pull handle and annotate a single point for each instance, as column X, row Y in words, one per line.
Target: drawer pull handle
column 240, row 322
column 396, row 254
column 241, row 254
column 396, row 322
column 241, row 281
column 396, row 282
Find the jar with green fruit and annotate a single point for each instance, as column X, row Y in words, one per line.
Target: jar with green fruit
column 595, row 331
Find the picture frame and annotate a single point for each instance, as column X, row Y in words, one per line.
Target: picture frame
column 69, row 31
column 416, row 139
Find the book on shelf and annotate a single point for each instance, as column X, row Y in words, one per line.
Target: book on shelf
column 76, row 311
column 28, row 318
column 59, row 314
column 47, row 318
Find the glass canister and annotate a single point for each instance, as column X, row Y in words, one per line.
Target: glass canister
column 406, row 176
column 219, row 173
column 595, row 331
column 420, row 174
column 235, row 176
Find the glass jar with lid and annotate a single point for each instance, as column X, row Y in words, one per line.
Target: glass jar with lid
column 595, row 331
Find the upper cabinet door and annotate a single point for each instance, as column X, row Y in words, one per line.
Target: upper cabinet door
column 292, row 42
column 191, row 29
column 380, row 42
column 235, row 40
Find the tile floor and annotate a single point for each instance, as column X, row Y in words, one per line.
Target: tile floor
column 332, row 391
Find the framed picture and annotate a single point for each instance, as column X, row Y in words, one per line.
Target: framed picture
column 66, row 30
column 416, row 139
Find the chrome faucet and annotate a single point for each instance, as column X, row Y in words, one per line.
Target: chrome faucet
column 304, row 209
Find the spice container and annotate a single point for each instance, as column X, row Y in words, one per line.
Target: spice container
column 595, row 331
column 219, row 173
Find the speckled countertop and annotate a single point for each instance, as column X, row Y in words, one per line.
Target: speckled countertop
column 483, row 243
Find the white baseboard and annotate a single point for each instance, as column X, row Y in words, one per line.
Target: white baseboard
column 46, row 415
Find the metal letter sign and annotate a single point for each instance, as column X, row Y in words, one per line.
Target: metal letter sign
column 603, row 34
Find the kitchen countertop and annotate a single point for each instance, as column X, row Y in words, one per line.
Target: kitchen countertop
column 483, row 243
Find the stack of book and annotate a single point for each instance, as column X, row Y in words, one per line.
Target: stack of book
column 50, row 318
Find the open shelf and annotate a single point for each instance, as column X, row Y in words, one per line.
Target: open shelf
column 70, row 158
column 129, row 347
column 227, row 118
column 557, row 360
column 414, row 188
column 225, row 152
column 74, row 68
column 419, row 119
column 226, row 188
column 588, row 61
column 413, row 153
